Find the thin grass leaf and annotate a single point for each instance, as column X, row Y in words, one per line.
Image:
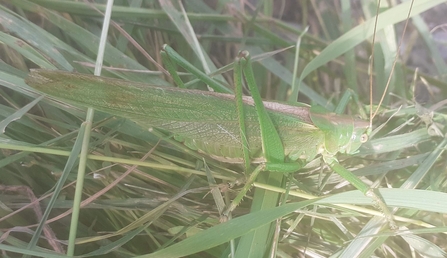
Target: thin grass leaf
column 362, row 32
column 18, row 114
column 217, row 235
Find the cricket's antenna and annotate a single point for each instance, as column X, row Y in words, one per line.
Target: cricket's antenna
column 373, row 114
column 371, row 64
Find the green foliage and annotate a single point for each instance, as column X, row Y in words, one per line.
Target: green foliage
column 162, row 205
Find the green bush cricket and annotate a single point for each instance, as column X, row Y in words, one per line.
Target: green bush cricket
column 280, row 138
column 332, row 224
column 173, row 180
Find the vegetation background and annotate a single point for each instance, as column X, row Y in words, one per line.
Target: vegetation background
column 163, row 207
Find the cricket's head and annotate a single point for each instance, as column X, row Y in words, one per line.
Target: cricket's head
column 350, row 134
column 342, row 133
column 360, row 135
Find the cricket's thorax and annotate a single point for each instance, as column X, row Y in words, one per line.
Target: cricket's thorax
column 300, row 138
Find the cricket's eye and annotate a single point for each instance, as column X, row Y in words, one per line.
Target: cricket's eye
column 364, row 138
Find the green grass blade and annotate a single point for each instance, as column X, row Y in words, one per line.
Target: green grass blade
column 362, row 32
column 217, row 235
